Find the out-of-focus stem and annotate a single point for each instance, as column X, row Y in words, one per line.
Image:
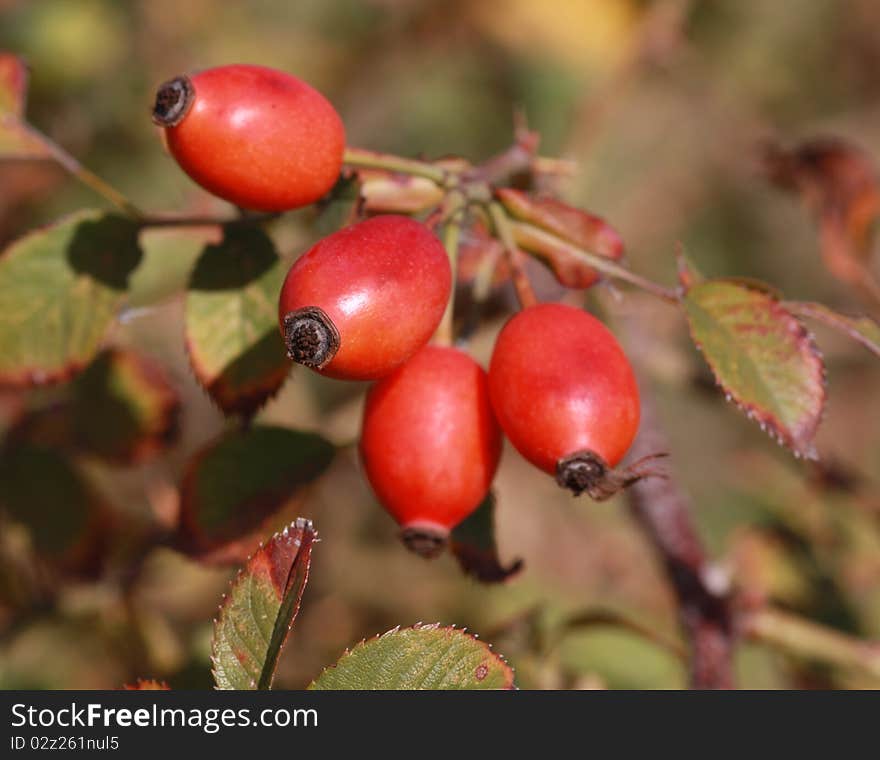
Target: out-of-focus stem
column 530, row 237
column 515, row 259
column 804, row 638
column 358, row 158
column 451, row 237
column 84, row 175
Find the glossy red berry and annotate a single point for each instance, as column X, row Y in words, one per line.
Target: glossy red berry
column 259, row 138
column 564, row 392
column 430, row 444
column 363, row 300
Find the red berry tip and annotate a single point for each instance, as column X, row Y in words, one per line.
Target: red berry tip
column 428, row 540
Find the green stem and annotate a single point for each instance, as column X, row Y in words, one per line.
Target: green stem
column 87, row 177
column 157, row 220
column 524, row 293
column 533, row 238
column 451, row 238
column 809, row 640
column 359, row 158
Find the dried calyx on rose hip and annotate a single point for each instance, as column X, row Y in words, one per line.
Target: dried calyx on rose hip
column 566, row 397
column 259, row 138
column 430, row 444
column 366, row 298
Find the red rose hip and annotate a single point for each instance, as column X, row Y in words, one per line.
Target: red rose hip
column 430, row 444
column 565, row 394
column 363, row 300
column 259, row 138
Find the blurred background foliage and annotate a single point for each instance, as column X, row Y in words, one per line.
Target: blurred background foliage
column 666, row 152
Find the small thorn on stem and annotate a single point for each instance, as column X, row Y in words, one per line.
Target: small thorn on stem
column 310, row 336
column 174, row 98
column 426, row 540
column 587, row 472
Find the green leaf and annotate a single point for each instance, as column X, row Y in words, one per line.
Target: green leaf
column 863, row 330
column 124, row 408
column 60, row 287
column 473, row 544
column 762, row 357
column 234, row 488
column 42, row 490
column 340, row 207
column 257, row 614
column 169, row 257
column 421, row 657
column 232, row 334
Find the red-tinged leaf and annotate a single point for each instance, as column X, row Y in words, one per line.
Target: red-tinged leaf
column 568, row 262
column 60, row 288
column 41, row 489
column 13, row 84
column 232, row 334
column 481, row 257
column 432, row 657
column 147, row 684
column 257, row 614
column 839, row 184
column 241, row 486
column 473, row 545
column 834, row 178
column 124, row 408
column 574, row 225
column 864, row 330
column 121, row 409
column 17, row 140
column 762, row 357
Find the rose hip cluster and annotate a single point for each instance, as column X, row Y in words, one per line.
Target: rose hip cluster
column 364, row 302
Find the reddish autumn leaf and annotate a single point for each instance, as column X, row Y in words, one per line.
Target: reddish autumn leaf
column 762, row 357
column 473, row 545
column 573, row 225
column 147, row 684
column 17, row 139
column 122, row 408
column 13, row 84
column 839, row 185
column 481, row 256
column 257, row 614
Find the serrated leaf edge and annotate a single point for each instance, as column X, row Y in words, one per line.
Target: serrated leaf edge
column 420, row 626
column 766, row 421
column 301, row 523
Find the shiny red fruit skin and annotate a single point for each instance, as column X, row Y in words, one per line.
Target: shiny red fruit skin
column 430, row 444
column 259, row 138
column 560, row 383
column 384, row 283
